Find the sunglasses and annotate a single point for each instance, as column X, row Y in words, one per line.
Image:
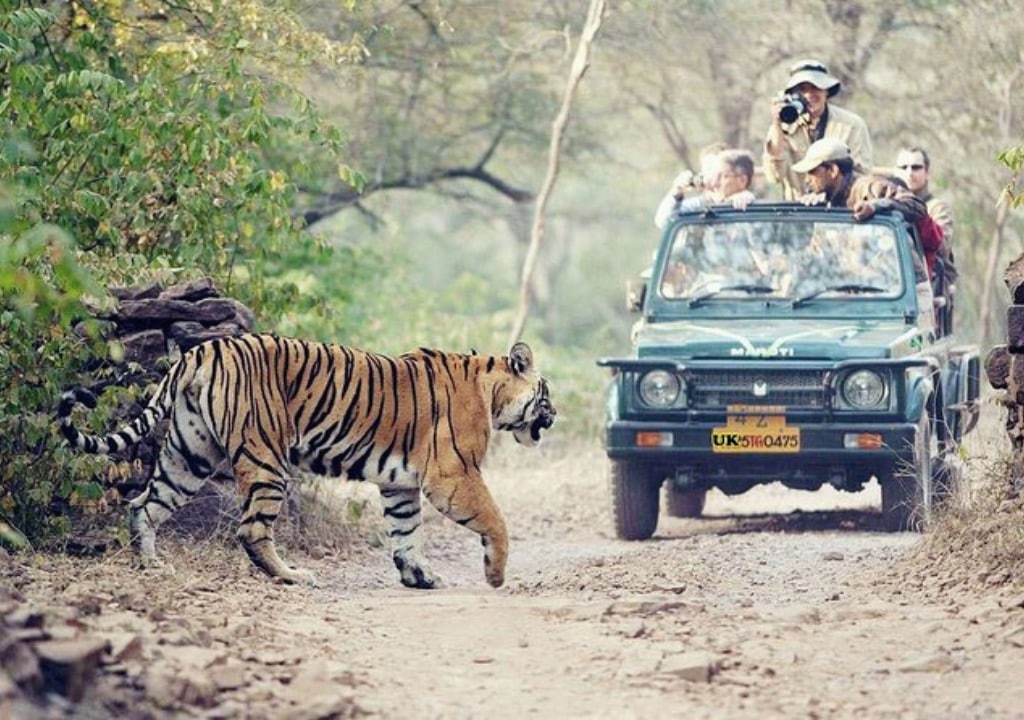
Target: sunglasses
column 910, row 167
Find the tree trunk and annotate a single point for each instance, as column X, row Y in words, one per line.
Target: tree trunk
column 994, row 250
column 579, row 66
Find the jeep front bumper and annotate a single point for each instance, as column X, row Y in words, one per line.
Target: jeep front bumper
column 705, row 454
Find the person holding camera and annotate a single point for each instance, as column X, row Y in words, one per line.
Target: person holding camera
column 690, row 187
column 726, row 177
column 736, row 178
column 804, row 114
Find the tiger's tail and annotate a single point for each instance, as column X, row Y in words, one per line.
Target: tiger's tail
column 125, row 436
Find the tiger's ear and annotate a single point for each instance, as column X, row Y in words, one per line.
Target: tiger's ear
column 520, row 358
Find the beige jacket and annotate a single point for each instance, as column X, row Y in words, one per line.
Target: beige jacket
column 942, row 214
column 782, row 150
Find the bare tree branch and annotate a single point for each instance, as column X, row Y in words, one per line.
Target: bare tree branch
column 580, row 63
column 331, row 203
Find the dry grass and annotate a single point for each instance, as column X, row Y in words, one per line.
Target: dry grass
column 330, row 515
column 321, row 516
column 976, row 542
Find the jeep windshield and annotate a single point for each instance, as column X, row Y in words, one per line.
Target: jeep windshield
column 776, row 258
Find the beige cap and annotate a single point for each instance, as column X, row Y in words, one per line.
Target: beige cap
column 822, row 151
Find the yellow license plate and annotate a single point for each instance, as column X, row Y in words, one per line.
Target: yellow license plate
column 755, row 430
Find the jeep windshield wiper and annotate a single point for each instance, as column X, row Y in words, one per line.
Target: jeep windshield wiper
column 844, row 288
column 747, row 288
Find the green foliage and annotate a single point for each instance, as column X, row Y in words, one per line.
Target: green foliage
column 41, row 281
column 1013, row 158
column 36, row 472
column 163, row 154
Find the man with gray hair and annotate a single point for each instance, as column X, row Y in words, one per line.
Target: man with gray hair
column 730, row 175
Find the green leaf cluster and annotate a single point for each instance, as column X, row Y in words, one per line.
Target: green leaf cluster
column 1013, row 158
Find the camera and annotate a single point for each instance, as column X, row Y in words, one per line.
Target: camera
column 792, row 108
column 686, row 180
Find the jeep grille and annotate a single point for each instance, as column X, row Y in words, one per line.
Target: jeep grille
column 715, row 389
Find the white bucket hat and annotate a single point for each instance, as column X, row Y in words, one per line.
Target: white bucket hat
column 813, row 72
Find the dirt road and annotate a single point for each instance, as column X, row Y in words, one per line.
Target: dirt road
column 755, row 612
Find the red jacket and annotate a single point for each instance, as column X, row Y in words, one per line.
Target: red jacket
column 930, row 233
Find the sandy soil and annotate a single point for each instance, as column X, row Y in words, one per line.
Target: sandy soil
column 780, row 604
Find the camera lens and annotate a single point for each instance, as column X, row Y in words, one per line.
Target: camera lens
column 790, row 112
column 792, row 108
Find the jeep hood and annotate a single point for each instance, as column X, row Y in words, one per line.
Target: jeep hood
column 749, row 338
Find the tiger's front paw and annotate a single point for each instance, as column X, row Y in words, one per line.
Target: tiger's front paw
column 297, row 576
column 416, row 574
column 495, row 576
column 422, row 579
column 495, row 557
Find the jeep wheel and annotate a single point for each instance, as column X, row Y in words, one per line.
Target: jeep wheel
column 906, row 495
column 634, row 499
column 947, row 476
column 684, row 503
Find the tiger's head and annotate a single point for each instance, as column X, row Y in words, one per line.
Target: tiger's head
column 522, row 401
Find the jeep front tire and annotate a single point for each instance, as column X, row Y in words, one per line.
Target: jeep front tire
column 635, row 499
column 906, row 494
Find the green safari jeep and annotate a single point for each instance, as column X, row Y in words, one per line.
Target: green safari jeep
column 793, row 344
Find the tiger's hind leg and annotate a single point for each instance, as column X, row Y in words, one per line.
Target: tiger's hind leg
column 466, row 500
column 188, row 458
column 402, row 511
column 263, row 493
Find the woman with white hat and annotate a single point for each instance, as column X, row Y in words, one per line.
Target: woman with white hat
column 804, row 114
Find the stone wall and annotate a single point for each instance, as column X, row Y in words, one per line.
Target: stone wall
column 152, row 322
column 1004, row 367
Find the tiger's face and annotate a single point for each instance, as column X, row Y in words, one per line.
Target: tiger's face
column 523, row 401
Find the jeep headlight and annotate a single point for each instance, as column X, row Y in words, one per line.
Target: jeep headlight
column 864, row 390
column 662, row 389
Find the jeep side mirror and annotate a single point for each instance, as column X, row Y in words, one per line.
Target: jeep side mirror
column 636, row 291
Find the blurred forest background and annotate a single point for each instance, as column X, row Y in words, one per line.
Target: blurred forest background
column 365, row 172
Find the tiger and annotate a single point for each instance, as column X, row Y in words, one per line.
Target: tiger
column 265, row 406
